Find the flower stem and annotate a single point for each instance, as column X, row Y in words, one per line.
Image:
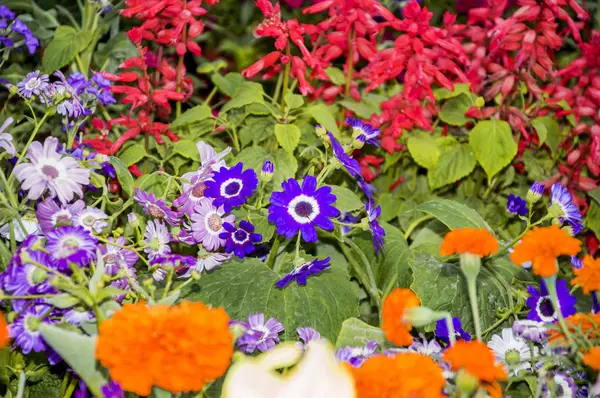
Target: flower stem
column 472, row 289
column 374, row 290
column 551, row 286
column 415, row 224
column 286, row 78
column 273, row 253
column 298, row 244
column 450, row 327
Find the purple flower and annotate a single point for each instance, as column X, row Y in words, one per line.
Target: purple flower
column 75, row 316
column 376, row 229
column 441, row 331
column 193, row 193
column 79, row 82
column 112, row 390
column 576, row 262
column 530, row 330
column 48, row 169
column 231, row 187
column 71, row 244
column 50, row 215
column 81, row 391
column 535, row 192
column 207, row 224
column 347, row 218
column 301, row 209
column 363, row 131
column 155, row 207
column 165, row 263
column 561, row 386
column 349, row 163
column 6, row 139
column 562, row 206
column 516, row 205
column 116, row 258
column 33, row 84
column 25, row 328
column 101, row 81
column 240, row 241
column 426, row 347
column 541, row 306
column 259, row 334
column 307, row 335
column 6, row 13
column 91, row 219
column 25, row 277
column 303, row 271
column 157, row 239
column 356, row 356
column 266, row 173
column 205, row 261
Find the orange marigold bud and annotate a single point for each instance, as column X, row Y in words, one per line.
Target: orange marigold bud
column 4, row 338
column 542, row 246
column 178, row 348
column 404, row 375
column 592, row 358
column 476, row 358
column 396, row 329
column 588, row 276
column 469, row 240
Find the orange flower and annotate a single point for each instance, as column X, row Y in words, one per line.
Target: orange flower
column 177, row 348
column 394, row 306
column 404, row 375
column 469, row 240
column 542, row 246
column 4, row 339
column 584, row 324
column 592, row 358
column 588, row 276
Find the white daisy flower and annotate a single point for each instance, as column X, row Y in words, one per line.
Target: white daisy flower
column 511, row 351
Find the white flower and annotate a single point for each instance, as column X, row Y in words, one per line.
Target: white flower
column 157, row 239
column 91, row 219
column 30, row 223
column 511, row 351
column 6, row 139
column 317, row 375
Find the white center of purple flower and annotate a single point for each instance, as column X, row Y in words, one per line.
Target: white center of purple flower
column 214, row 222
column 240, row 236
column 68, row 246
column 155, row 211
column 231, row 187
column 111, row 258
column 61, row 217
column 198, row 190
column 545, row 309
column 303, row 209
column 88, row 220
column 33, row 83
column 50, row 171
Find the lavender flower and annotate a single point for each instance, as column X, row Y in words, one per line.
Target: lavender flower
column 33, row 84
column 302, row 272
column 76, row 316
column 349, row 163
column 363, row 131
column 28, row 278
column 356, row 356
column 426, row 347
column 576, row 262
column 50, row 215
column 307, row 335
column 6, row 13
column 207, row 224
column 166, row 263
column 516, row 205
column 71, row 244
column 6, row 139
column 347, row 218
column 157, row 239
column 558, row 385
column 206, row 261
column 31, row 42
column 70, row 105
column 193, row 193
column 266, row 173
column 541, row 306
column 116, row 258
column 562, row 207
column 240, row 240
column 376, row 229
column 32, row 227
column 91, row 219
column 259, row 334
column 535, row 192
column 231, row 187
column 530, row 330
column 442, row 333
column 112, row 390
column 25, row 328
column 155, row 207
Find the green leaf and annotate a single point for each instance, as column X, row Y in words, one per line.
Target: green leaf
column 592, row 218
column 117, row 49
column 210, row 67
column 396, row 256
column 455, row 162
column 286, row 166
column 192, row 115
column 595, row 193
column 228, row 83
column 132, row 154
column 493, row 144
column 570, row 118
column 336, row 75
column 47, row 386
column 247, row 287
column 453, row 111
column 360, row 109
column 257, row 129
column 252, row 158
column 356, row 333
column 288, row 136
column 246, row 93
column 453, row 214
column 78, row 351
column 388, row 203
column 67, row 43
column 63, row 301
column 539, row 165
column 459, row 88
column 424, row 150
column 293, row 101
column 123, row 175
column 170, row 299
column 347, row 201
column 154, row 183
column 324, row 117
column 186, row 149
column 548, row 131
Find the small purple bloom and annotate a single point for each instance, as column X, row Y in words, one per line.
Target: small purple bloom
column 101, row 81
column 259, row 334
column 193, row 193
column 348, row 218
column 170, row 261
column 240, row 240
column 307, row 335
column 441, row 331
column 33, row 84
column 6, row 13
column 595, row 303
column 71, row 244
column 349, row 163
column 541, row 306
column 562, row 386
column 576, row 262
column 376, row 229
column 231, row 187
column 535, row 192
column 157, row 239
column 426, row 347
column 91, row 219
column 267, row 170
column 112, row 390
column 76, row 316
column 28, row 278
column 155, row 207
column 356, row 356
column 206, row 261
column 6, row 140
column 562, row 206
column 78, row 81
column 363, row 131
column 533, row 331
column 25, row 328
column 302, row 272
column 116, row 258
column 516, row 205
column 50, row 215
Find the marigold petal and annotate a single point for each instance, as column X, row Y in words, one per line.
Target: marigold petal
column 592, row 358
column 477, row 241
column 588, row 276
column 476, row 358
column 4, row 338
column 395, row 304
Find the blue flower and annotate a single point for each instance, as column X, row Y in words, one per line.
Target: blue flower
column 378, row 232
column 24, row 329
column 356, row 356
column 516, row 205
column 68, row 244
column 576, row 262
column 267, row 171
column 535, row 192
column 303, row 271
column 348, row 218
column 112, row 390
column 301, row 209
column 364, row 132
column 441, row 331
column 259, row 334
column 240, row 240
column 349, row 163
column 541, row 306
column 307, row 335
column 562, row 206
column 231, row 187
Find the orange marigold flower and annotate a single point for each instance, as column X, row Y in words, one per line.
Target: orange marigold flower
column 178, row 348
column 394, row 306
column 592, row 358
column 4, row 339
column 588, row 276
column 404, row 375
column 476, row 358
column 583, row 324
column 542, row 246
column 469, row 240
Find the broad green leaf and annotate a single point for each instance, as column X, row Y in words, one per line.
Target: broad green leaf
column 288, row 136
column 123, row 175
column 336, row 75
column 360, row 109
column 228, row 83
column 493, row 144
column 154, row 183
column 453, row 111
column 455, row 162
column 459, row 88
column 186, row 149
column 260, row 109
column 539, row 165
column 252, row 158
column 388, row 203
column 347, row 201
column 132, row 154
column 595, row 194
column 67, row 43
column 192, row 115
column 548, row 131
column 210, row 67
column 78, row 351
column 259, row 220
column 247, row 287
column 592, row 218
column 286, row 166
column 453, row 214
column 170, row 299
column 396, row 255
column 48, row 386
column 256, row 129
column 357, row 333
column 293, row 101
column 424, row 150
column 247, row 93
column 323, row 116
column 63, row 301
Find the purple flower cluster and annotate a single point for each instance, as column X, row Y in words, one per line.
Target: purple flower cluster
column 303, row 271
column 258, row 334
column 356, row 356
column 14, row 33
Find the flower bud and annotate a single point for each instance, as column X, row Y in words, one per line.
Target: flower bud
column 419, row 316
column 38, row 276
column 535, row 193
column 466, row 383
column 133, row 220
column 321, row 131
column 359, row 141
column 266, row 174
column 470, row 265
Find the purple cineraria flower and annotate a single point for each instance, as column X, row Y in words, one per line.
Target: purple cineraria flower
column 348, row 218
column 207, row 224
column 112, row 390
column 349, row 163
column 558, row 385
column 91, row 219
column 535, row 192
column 205, row 261
column 259, row 334
column 562, row 206
column 193, row 193
column 441, row 331
column 516, row 205
column 71, row 244
column 356, row 356
column 76, row 316
column 50, row 215
column 25, row 328
column 533, row 331
column 240, row 240
column 155, row 207
column 33, row 84
column 70, row 106
column 595, row 304
column 157, row 239
column 167, row 262
column 266, row 173
column 31, row 41
column 116, row 258
column 6, row 139
column 27, row 278
column 101, row 81
column 81, row 391
column 376, row 229
column 30, row 224
column 363, row 131
column 231, row 187
column 79, row 82
column 302, row 272
column 576, row 262
column 426, row 347
column 307, row 335
column 210, row 161
column 301, row 209
column 6, row 13
column 541, row 306
column 48, row 169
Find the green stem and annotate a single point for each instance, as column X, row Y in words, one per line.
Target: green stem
column 472, row 288
column 550, row 282
column 277, row 91
column 415, row 224
column 98, row 313
column 71, row 388
column 360, row 273
column 298, row 240
column 211, row 95
column 372, row 282
column 169, row 282
column 273, row 253
column 28, row 297
column 323, row 174
column 286, row 78
column 498, row 323
column 64, row 383
column 450, row 327
column 13, row 241
column 21, row 388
